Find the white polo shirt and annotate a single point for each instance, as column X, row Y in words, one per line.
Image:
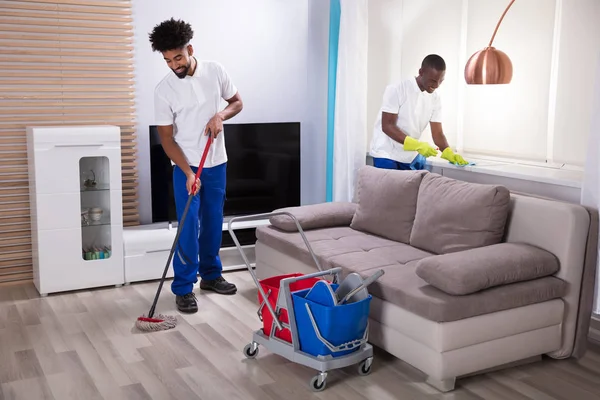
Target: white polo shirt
column 189, row 103
column 415, row 109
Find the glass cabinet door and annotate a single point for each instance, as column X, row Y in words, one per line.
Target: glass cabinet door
column 96, row 243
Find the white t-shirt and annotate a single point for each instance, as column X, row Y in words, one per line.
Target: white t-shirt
column 188, row 104
column 415, row 109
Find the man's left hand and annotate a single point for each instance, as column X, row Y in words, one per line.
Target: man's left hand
column 454, row 158
column 214, row 126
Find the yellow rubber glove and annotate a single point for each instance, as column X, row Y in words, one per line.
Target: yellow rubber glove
column 449, row 155
column 412, row 144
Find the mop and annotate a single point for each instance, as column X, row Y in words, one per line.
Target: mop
column 160, row 322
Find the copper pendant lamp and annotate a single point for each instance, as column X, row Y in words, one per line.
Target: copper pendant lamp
column 489, row 66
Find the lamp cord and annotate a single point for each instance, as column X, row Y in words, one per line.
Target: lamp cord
column 499, row 22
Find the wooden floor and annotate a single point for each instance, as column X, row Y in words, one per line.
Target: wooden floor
column 82, row 345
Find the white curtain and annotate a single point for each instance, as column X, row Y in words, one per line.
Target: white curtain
column 590, row 191
column 350, row 129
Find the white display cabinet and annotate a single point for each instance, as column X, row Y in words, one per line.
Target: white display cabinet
column 76, row 207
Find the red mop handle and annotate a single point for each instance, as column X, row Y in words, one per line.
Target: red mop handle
column 208, row 143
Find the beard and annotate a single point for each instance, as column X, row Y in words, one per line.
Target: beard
column 183, row 73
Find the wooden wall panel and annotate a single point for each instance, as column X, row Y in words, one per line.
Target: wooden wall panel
column 62, row 62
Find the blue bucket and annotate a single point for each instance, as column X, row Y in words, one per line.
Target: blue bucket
column 337, row 324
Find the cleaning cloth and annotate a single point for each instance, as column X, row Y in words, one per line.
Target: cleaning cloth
column 469, row 164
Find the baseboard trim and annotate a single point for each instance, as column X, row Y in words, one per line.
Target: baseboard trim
column 594, row 333
column 594, row 336
column 595, row 322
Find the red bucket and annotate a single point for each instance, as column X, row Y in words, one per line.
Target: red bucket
column 272, row 284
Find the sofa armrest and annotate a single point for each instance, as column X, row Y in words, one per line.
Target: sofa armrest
column 315, row 216
column 470, row 271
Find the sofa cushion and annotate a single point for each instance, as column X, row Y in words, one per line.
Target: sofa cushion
column 401, row 286
column 453, row 215
column 470, row 271
column 314, row 216
column 339, row 244
column 387, row 202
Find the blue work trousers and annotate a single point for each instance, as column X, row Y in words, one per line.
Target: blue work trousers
column 417, row 164
column 197, row 251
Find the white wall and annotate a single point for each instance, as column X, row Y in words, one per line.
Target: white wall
column 384, row 54
column 544, row 113
column 579, row 54
column 264, row 45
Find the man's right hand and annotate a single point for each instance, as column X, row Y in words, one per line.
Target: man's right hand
column 191, row 180
column 423, row 148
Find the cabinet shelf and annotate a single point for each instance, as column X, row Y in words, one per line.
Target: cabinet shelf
column 105, row 220
column 97, row 188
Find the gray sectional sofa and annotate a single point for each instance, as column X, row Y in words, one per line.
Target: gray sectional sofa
column 476, row 278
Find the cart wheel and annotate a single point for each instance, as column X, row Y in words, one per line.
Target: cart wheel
column 314, row 383
column 251, row 350
column 364, row 368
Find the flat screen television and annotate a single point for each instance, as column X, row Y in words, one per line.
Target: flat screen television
column 263, row 170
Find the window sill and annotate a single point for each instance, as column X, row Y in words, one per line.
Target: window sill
column 563, row 175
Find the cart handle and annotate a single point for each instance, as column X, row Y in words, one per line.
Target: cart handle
column 333, row 271
column 239, row 247
column 266, row 216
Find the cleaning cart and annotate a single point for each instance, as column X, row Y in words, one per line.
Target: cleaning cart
column 319, row 323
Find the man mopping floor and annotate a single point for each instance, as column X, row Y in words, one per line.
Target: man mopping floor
column 187, row 109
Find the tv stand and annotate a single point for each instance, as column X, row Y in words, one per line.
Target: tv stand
column 146, row 249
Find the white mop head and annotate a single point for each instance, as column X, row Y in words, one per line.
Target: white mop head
column 157, row 323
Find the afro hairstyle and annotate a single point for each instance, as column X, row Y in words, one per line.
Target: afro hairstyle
column 170, row 35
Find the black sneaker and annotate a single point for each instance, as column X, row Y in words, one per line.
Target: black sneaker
column 187, row 303
column 219, row 285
